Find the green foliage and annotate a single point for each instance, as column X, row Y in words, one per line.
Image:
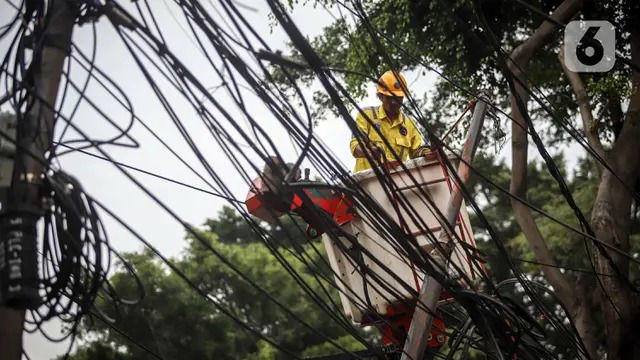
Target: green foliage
column 496, row 205
column 175, row 321
column 266, row 351
column 421, row 35
column 569, row 246
column 232, row 228
column 346, row 342
column 97, row 351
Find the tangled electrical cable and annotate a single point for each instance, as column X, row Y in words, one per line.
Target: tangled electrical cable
column 76, row 255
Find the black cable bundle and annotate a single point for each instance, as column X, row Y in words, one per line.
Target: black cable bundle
column 75, row 255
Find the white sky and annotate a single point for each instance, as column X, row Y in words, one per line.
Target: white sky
column 103, row 181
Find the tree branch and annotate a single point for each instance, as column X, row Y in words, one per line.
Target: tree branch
column 582, row 99
column 611, row 221
column 520, row 59
column 630, row 132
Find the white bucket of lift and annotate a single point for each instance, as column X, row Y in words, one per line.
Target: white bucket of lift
column 356, row 296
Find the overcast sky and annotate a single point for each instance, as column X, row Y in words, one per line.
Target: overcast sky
column 106, row 183
column 103, row 181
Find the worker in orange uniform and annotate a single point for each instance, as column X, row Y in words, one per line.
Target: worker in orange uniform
column 389, row 121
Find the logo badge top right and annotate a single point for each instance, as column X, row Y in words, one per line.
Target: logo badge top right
column 590, row 46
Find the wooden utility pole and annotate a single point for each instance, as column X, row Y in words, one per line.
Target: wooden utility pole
column 19, row 279
column 420, row 327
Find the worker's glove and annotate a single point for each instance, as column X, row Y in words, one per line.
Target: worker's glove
column 376, row 151
column 372, row 150
column 424, row 151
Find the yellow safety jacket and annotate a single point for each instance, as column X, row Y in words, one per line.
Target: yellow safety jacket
column 402, row 134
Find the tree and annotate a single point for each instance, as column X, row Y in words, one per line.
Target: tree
column 611, row 216
column 467, row 41
column 98, row 351
column 233, row 228
column 567, row 247
column 496, row 206
column 173, row 320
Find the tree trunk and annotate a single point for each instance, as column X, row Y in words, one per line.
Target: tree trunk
column 611, row 220
column 589, row 124
column 572, row 297
column 582, row 316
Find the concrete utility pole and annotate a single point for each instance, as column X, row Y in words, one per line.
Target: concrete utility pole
column 420, row 327
column 19, row 279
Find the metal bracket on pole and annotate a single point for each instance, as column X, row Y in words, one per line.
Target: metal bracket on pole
column 419, row 329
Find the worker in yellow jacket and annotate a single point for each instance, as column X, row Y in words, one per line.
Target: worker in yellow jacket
column 390, row 122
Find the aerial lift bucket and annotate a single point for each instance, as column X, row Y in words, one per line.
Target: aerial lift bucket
column 366, row 303
column 395, row 306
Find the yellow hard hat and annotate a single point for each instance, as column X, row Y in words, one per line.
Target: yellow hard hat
column 391, row 85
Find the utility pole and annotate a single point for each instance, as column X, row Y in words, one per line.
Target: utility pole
column 420, row 327
column 19, row 279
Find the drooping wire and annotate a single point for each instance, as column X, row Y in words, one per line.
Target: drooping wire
column 312, row 149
